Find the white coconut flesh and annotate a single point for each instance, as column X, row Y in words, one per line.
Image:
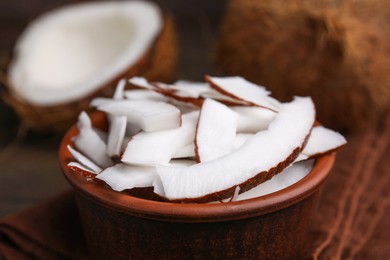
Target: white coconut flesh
column 241, row 89
column 155, row 148
column 141, row 82
column 286, row 178
column 216, row 131
column 241, row 139
column 90, row 144
column 268, row 139
column 143, row 94
column 117, row 131
column 258, row 155
column 85, row 161
column 253, row 119
column 148, row 115
column 121, row 176
column 322, row 140
column 187, row 151
column 72, row 51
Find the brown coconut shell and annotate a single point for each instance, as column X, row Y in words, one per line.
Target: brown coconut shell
column 158, row 63
column 339, row 54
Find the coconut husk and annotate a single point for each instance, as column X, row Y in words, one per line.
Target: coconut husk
column 159, row 63
column 338, row 53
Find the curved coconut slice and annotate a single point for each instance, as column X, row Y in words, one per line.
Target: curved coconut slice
column 216, row 131
column 121, row 176
column 322, row 140
column 82, row 159
column 286, row 178
column 144, row 94
column 148, row 115
column 187, row 151
column 70, row 52
column 253, row 119
column 264, row 155
column 241, row 89
column 116, row 135
column 89, row 142
column 151, row 148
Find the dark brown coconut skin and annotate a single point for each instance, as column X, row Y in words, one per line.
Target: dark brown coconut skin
column 339, row 54
column 158, row 63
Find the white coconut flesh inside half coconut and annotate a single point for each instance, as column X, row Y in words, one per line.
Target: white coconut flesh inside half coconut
column 71, row 52
column 219, row 153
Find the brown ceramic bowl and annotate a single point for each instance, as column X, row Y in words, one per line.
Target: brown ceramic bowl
column 120, row 226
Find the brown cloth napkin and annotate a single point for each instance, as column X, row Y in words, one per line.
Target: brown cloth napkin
column 352, row 221
column 51, row 230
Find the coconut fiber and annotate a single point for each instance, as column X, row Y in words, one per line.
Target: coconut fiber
column 337, row 52
column 352, row 220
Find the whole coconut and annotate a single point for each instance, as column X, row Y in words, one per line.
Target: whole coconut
column 337, row 53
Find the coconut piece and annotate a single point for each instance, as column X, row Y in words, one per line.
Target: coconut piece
column 241, row 139
column 264, row 155
column 141, row 82
column 71, row 54
column 286, row 178
column 151, row 148
column 322, row 140
column 116, row 135
column 120, row 89
column 253, row 119
column 187, row 151
column 241, row 89
column 216, row 131
column 121, row 176
column 102, row 134
column 82, row 159
column 81, row 169
column 148, row 115
column 136, row 94
column 89, row 143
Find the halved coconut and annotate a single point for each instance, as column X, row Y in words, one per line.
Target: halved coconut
column 71, row 54
column 216, row 131
column 258, row 159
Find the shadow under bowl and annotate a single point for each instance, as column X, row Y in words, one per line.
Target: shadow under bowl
column 120, row 226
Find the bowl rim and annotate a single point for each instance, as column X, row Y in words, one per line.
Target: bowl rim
column 176, row 212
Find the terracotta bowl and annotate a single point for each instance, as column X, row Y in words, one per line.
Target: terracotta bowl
column 120, row 226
